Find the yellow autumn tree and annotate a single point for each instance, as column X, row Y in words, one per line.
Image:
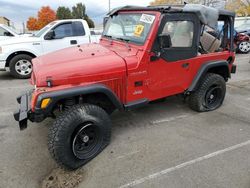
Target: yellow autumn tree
column 45, row 15
column 241, row 7
column 174, row 2
column 32, row 24
column 166, row 2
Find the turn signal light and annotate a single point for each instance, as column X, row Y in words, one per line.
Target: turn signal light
column 45, row 103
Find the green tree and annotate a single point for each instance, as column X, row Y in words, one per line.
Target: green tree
column 89, row 21
column 79, row 12
column 63, row 13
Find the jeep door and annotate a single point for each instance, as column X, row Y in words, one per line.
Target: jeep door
column 169, row 69
column 66, row 34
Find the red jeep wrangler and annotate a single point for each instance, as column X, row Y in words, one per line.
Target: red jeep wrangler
column 145, row 54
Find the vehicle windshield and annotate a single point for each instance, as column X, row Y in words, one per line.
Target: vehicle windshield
column 133, row 27
column 44, row 30
column 12, row 30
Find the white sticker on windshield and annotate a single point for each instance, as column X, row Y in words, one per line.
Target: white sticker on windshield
column 146, row 18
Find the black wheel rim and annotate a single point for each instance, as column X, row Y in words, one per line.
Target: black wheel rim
column 213, row 97
column 86, row 141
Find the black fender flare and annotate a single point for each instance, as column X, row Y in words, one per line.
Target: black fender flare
column 76, row 91
column 204, row 69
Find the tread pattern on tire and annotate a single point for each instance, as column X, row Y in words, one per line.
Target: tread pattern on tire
column 60, row 127
column 195, row 100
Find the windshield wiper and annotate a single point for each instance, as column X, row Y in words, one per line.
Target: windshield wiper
column 125, row 40
column 110, row 38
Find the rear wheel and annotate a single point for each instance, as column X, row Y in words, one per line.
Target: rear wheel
column 209, row 95
column 78, row 135
column 21, row 66
column 244, row 47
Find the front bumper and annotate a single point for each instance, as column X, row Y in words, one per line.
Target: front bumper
column 2, row 65
column 23, row 113
column 234, row 68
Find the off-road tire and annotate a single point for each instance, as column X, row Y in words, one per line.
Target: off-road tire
column 62, row 134
column 198, row 99
column 13, row 62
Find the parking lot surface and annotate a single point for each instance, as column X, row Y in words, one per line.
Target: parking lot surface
column 161, row 145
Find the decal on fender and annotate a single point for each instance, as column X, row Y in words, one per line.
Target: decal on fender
column 137, row 92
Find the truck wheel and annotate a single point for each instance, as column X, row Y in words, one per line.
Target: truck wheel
column 21, row 66
column 78, row 135
column 209, row 95
column 244, row 47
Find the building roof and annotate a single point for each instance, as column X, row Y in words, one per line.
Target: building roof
column 4, row 18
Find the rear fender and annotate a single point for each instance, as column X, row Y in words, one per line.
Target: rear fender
column 218, row 67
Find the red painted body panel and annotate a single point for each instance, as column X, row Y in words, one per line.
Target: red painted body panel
column 118, row 66
column 76, row 65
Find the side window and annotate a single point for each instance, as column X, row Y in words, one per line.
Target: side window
column 4, row 32
column 63, row 30
column 78, row 29
column 181, row 33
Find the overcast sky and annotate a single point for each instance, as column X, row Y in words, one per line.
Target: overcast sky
column 19, row 11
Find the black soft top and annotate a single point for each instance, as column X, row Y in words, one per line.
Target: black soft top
column 207, row 15
column 165, row 8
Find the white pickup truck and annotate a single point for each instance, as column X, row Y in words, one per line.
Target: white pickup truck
column 16, row 53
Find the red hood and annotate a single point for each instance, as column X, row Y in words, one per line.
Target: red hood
column 87, row 63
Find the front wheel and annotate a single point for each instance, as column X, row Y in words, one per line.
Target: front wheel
column 21, row 66
column 78, row 135
column 209, row 95
column 244, row 47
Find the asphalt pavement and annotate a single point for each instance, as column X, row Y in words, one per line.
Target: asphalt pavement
column 161, row 145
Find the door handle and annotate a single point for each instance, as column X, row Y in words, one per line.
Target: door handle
column 185, row 65
column 72, row 42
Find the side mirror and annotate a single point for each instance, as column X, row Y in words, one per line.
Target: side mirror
column 165, row 41
column 105, row 20
column 50, row 35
